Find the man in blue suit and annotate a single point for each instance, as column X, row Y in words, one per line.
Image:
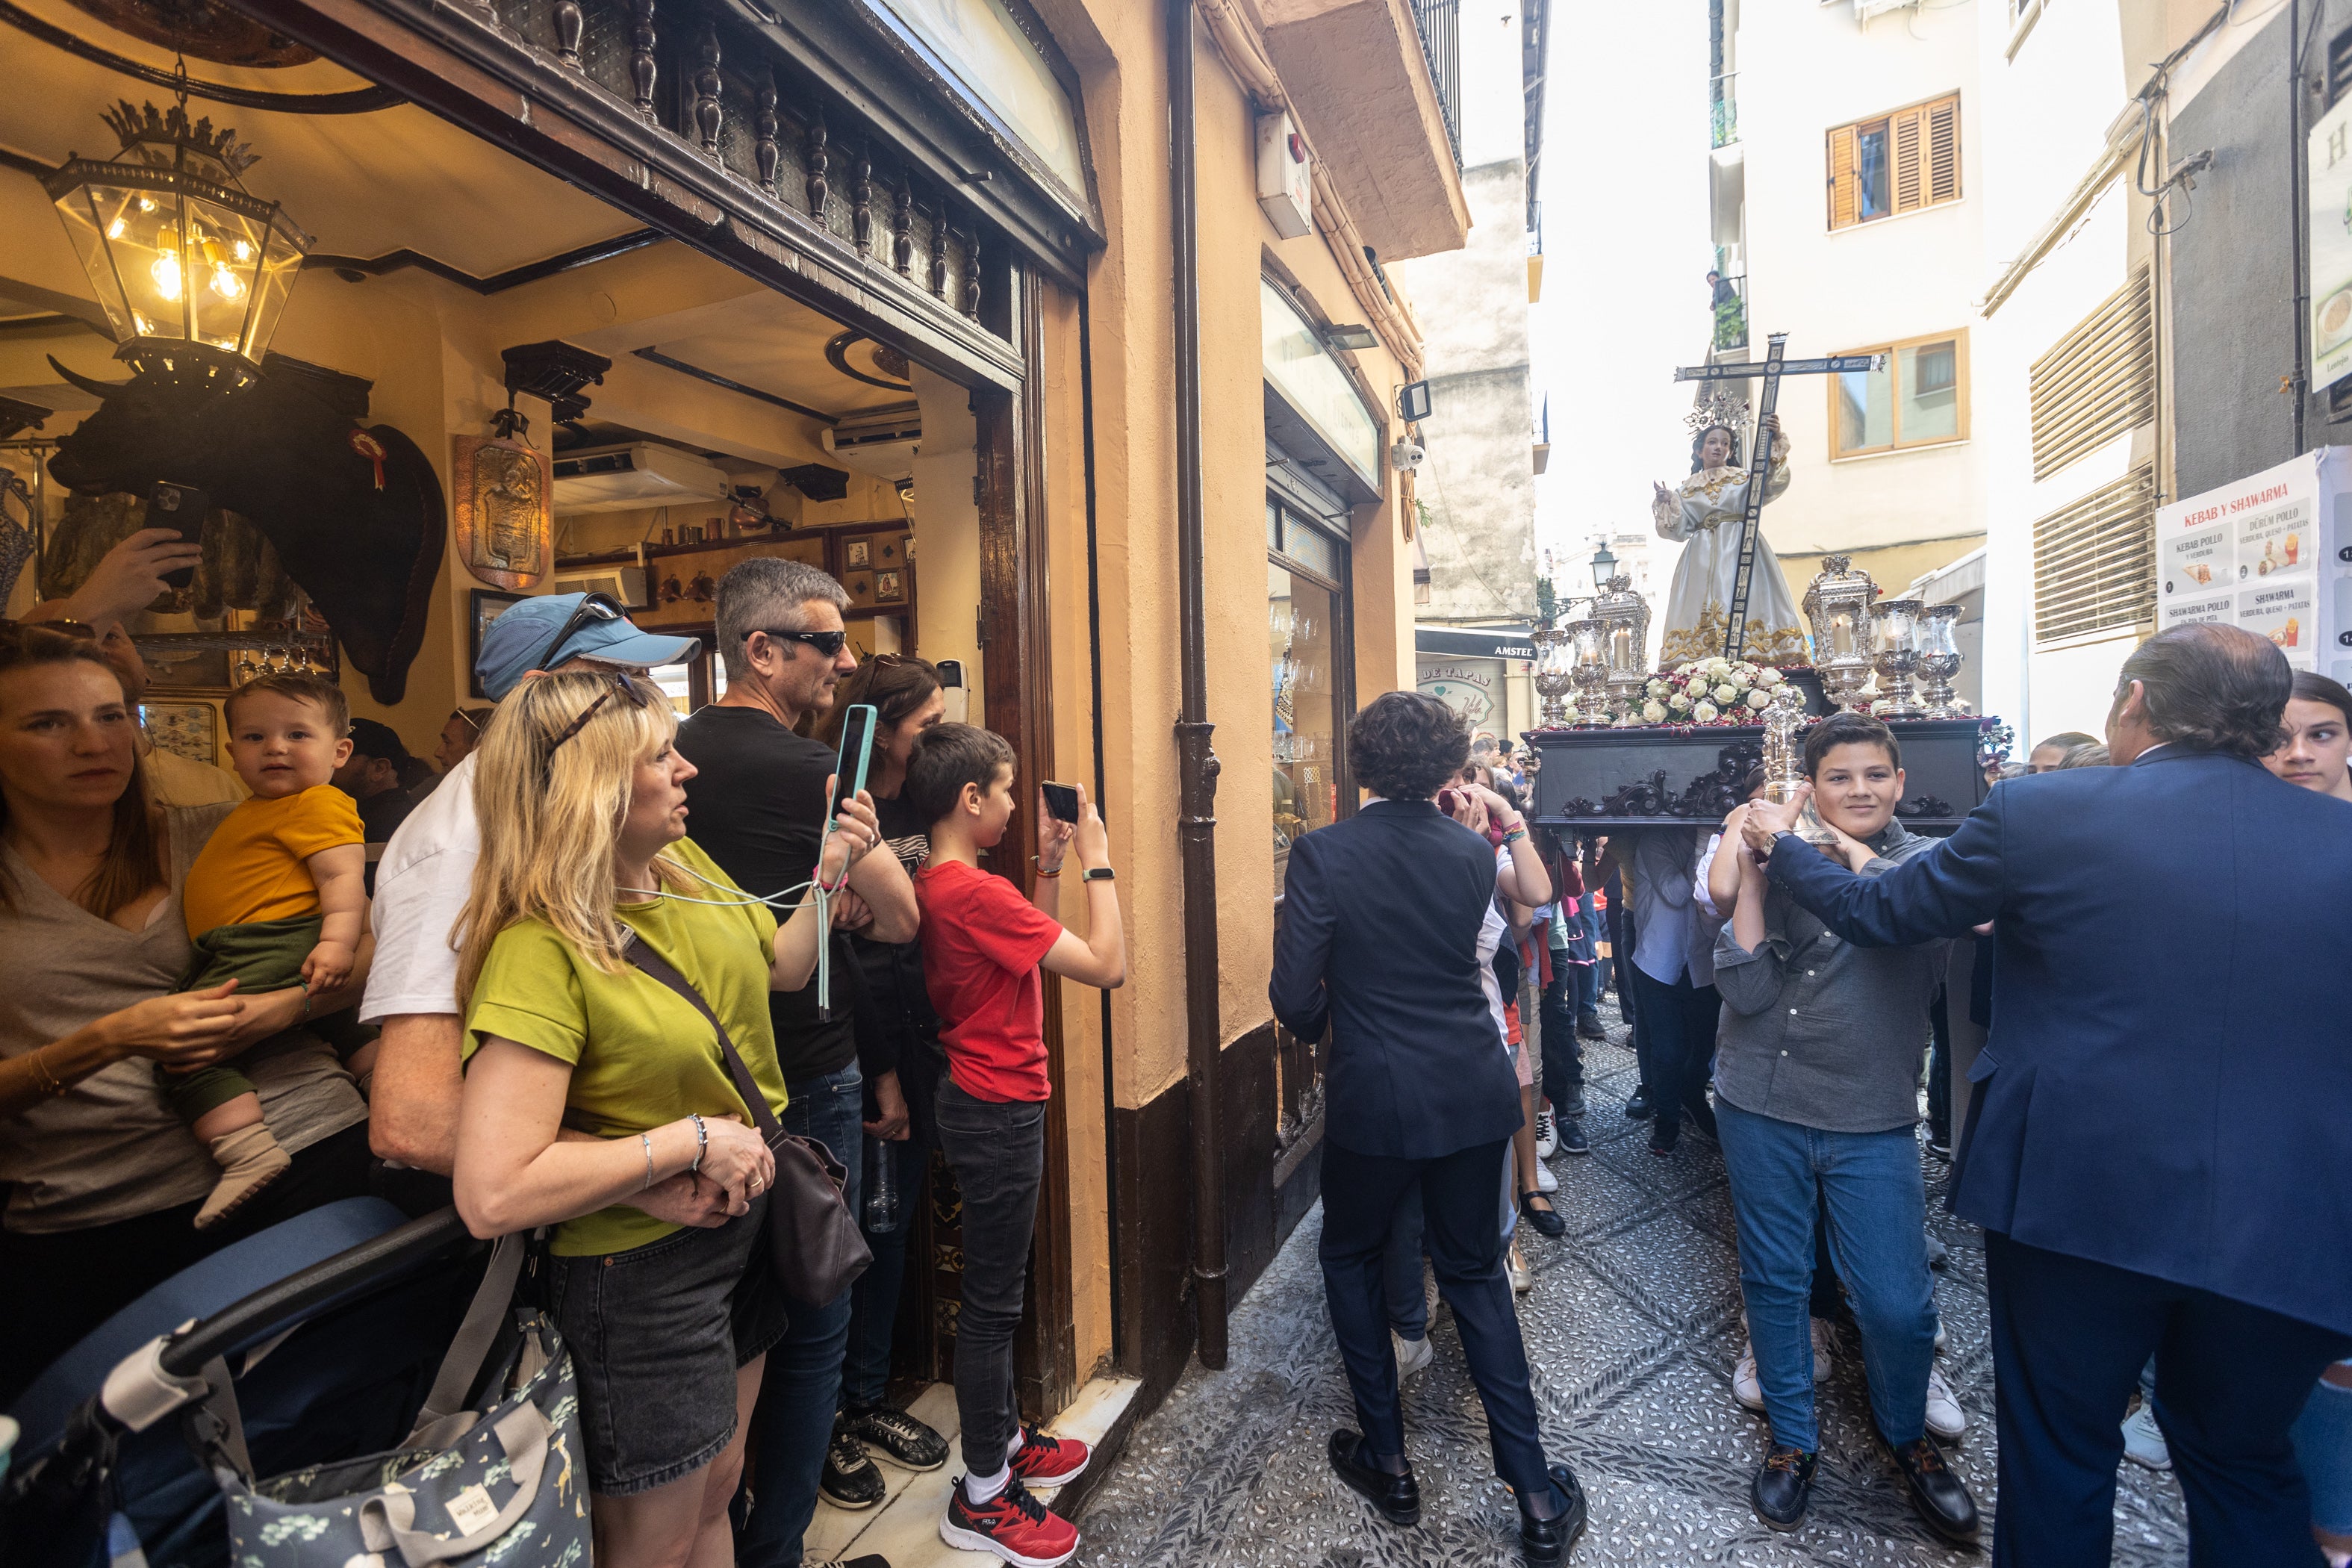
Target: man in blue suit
column 1379, row 940
column 2162, row 1126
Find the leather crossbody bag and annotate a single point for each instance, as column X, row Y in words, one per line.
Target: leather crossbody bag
column 815, row 1246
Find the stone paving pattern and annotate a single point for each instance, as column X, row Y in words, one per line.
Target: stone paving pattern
column 1632, row 1331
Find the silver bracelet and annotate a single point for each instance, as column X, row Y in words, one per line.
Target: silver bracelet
column 648, row 1140
column 701, row 1141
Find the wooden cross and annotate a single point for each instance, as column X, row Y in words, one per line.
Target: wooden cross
column 1760, row 458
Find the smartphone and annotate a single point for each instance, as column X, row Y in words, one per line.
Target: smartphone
column 856, row 751
column 181, row 508
column 1062, row 800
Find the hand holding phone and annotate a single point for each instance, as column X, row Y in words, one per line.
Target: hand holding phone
column 856, row 751
column 180, row 508
column 1062, row 801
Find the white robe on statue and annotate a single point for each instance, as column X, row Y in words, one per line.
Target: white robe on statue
column 1704, row 514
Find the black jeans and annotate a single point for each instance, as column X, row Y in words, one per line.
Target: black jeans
column 1676, row 1051
column 65, row 1283
column 1458, row 1193
column 1939, row 1071
column 1563, row 1054
column 997, row 1150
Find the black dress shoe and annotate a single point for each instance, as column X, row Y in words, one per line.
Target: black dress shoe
column 1547, row 1221
column 1398, row 1497
column 849, row 1479
column 1589, row 1026
column 1783, row 1486
column 1938, row 1495
column 1638, row 1107
column 1547, row 1540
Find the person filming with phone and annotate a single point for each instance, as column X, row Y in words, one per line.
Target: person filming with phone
column 760, row 806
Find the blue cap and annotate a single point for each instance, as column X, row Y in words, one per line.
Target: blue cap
column 510, row 647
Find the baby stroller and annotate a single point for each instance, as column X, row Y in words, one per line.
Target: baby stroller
column 318, row 1340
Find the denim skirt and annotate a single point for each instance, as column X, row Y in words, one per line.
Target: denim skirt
column 657, row 1335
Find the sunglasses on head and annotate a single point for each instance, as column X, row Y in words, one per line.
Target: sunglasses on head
column 829, row 644
column 593, row 609
column 621, row 686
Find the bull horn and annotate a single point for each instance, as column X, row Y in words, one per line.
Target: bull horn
column 101, row 390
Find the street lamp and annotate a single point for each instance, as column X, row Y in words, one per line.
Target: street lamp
column 1604, row 566
column 191, row 269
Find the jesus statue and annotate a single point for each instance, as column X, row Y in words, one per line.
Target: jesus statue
column 1705, row 512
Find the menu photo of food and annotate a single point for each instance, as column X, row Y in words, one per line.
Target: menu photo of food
column 2334, row 318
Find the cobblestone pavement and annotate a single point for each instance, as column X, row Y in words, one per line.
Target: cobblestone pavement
column 1632, row 1331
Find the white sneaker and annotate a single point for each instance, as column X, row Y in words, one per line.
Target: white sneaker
column 1821, row 1350
column 1523, row 1279
column 1945, row 1419
column 1545, row 1180
column 2143, row 1439
column 1744, row 1387
column 1412, row 1355
column 1546, row 1135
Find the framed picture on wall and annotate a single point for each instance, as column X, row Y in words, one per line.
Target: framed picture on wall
column 857, row 553
column 889, row 588
column 488, row 606
column 190, row 730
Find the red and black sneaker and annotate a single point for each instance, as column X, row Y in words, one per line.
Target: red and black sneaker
column 1043, row 1461
column 1012, row 1524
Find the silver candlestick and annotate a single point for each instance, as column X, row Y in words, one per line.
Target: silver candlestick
column 1897, row 624
column 1555, row 676
column 1939, row 659
column 1589, row 660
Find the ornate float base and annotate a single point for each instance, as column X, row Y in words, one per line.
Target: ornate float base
column 1610, row 779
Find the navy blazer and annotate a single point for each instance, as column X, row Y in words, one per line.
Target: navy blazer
column 2167, row 1082
column 1378, row 939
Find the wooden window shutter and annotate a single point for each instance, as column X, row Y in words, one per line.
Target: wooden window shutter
column 1943, row 137
column 1909, row 183
column 1844, row 203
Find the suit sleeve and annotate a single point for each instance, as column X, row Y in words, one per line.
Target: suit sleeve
column 1302, row 945
column 1949, row 890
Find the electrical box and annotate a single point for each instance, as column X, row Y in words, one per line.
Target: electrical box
column 1285, row 190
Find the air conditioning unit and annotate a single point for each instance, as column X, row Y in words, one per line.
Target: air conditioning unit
column 627, row 584
column 879, row 441
column 632, row 478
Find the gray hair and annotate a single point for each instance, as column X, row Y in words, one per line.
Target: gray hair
column 2211, row 688
column 765, row 594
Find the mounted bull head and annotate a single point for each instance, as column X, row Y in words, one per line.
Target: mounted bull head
column 356, row 512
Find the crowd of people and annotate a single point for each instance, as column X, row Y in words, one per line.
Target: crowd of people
column 585, row 980
column 2154, row 1230
column 586, row 983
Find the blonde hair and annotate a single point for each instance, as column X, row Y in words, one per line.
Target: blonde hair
column 551, row 811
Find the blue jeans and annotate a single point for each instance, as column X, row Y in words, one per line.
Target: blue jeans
column 1596, row 974
column 873, row 1300
column 1878, row 1211
column 802, row 1388
column 2323, row 1445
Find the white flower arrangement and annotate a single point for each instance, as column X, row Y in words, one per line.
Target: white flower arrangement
column 1704, row 713
column 1654, row 712
column 1711, row 691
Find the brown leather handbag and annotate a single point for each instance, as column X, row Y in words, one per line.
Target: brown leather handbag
column 815, row 1246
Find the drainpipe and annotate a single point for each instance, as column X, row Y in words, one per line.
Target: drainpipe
column 1196, row 829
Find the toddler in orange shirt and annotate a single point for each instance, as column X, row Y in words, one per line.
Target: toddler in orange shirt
column 275, row 899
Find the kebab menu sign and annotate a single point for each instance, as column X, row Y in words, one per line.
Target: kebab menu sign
column 2272, row 554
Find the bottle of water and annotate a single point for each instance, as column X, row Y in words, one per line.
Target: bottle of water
column 879, row 1211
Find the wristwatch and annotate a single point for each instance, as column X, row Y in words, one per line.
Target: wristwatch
column 1098, row 874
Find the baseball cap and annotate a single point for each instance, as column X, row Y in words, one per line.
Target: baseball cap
column 510, row 648
column 372, row 737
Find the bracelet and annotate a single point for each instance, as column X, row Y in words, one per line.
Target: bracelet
column 1513, row 835
column 44, row 1079
column 1041, row 869
column 646, row 1139
column 701, row 1141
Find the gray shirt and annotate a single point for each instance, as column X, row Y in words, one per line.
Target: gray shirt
column 1817, row 1031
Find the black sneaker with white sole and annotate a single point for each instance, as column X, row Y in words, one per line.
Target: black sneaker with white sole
column 849, row 1479
column 895, row 1435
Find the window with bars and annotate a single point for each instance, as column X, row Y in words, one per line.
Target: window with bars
column 2097, row 381
column 2094, row 561
column 1896, row 163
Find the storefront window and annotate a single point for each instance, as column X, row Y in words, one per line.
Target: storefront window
column 1306, row 374
column 981, row 45
column 1304, row 624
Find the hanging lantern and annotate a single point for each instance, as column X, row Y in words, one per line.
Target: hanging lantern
column 193, row 269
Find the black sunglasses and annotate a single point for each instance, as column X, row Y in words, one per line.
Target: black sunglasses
column 829, row 644
column 593, row 608
column 622, row 685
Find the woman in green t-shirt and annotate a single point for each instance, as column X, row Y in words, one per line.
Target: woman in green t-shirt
column 587, row 1081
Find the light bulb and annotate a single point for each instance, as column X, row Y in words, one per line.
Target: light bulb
column 226, row 284
column 166, row 273
column 114, row 229
column 146, row 205
column 244, row 251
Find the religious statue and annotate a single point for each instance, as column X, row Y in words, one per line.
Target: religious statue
column 1705, row 512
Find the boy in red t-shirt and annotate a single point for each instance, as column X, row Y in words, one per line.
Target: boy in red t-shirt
column 983, row 945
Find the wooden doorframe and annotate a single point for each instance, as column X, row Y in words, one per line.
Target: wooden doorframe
column 1017, row 649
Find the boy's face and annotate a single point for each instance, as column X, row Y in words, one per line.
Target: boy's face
column 1856, row 787
column 282, row 745
column 994, row 810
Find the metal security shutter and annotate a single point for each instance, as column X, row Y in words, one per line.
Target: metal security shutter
column 2098, row 382
column 2094, row 561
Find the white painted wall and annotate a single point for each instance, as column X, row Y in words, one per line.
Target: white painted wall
column 1804, row 68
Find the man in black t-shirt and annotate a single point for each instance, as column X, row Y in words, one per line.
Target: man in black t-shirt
column 758, row 807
